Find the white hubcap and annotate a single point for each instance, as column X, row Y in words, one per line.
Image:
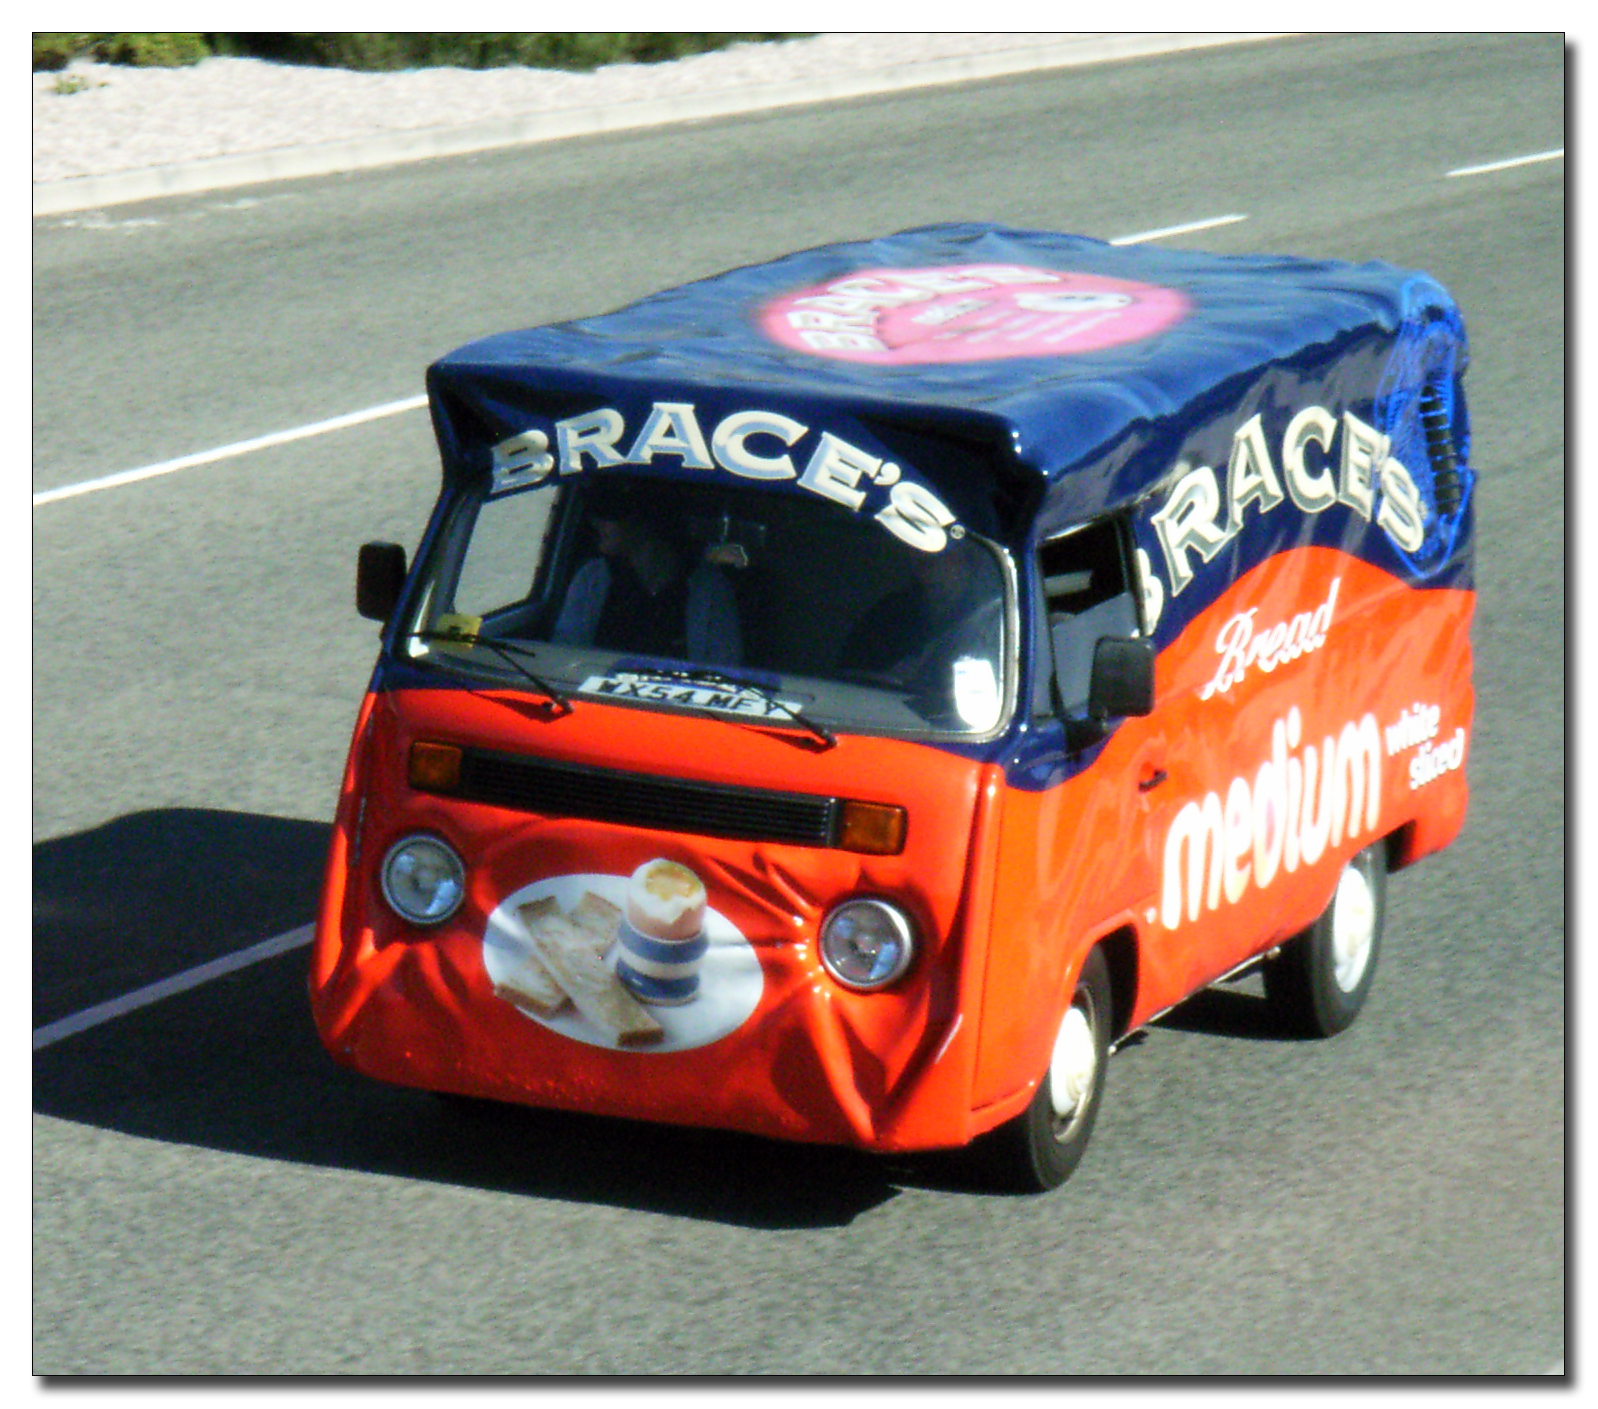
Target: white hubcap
column 1353, row 928
column 1075, row 1060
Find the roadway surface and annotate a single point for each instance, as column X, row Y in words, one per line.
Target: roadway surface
column 212, row 1195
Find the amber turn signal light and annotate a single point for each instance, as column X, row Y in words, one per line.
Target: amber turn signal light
column 875, row 828
column 434, row 768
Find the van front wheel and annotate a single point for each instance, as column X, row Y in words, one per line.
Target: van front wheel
column 1040, row 1148
column 1319, row 982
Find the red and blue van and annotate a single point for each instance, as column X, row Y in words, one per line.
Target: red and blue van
column 844, row 698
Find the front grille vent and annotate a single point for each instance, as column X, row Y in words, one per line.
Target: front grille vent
column 553, row 789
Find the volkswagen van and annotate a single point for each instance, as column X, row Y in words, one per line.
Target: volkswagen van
column 845, row 698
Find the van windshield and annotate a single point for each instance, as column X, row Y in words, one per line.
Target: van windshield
column 744, row 601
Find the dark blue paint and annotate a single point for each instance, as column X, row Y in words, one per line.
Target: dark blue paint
column 1019, row 448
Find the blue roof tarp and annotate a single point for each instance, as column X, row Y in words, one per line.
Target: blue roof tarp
column 1069, row 370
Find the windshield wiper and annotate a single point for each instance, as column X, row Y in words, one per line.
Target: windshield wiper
column 507, row 653
column 716, row 677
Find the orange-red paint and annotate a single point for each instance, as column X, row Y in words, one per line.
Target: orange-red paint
column 1009, row 887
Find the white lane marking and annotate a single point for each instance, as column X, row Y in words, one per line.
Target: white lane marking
column 228, row 452
column 165, row 988
column 1557, row 154
column 415, row 403
column 1143, row 236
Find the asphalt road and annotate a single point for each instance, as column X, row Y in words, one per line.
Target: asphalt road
column 212, row 1195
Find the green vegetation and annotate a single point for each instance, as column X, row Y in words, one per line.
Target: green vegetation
column 55, row 51
column 154, row 50
column 384, row 52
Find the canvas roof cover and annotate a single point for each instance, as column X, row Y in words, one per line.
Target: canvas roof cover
column 1078, row 363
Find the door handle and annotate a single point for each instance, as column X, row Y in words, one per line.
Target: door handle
column 1152, row 780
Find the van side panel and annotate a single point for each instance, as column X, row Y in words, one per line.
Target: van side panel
column 1305, row 564
column 1072, row 865
column 1216, row 828
column 1320, row 705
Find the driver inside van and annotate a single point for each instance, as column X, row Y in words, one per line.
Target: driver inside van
column 950, row 610
column 643, row 592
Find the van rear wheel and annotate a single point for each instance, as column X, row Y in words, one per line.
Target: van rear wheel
column 1319, row 982
column 1039, row 1149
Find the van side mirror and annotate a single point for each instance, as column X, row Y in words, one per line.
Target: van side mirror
column 379, row 578
column 1122, row 682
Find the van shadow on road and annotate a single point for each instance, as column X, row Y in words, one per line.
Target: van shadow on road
column 1236, row 1009
column 235, row 1064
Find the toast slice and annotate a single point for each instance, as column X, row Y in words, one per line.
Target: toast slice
column 597, row 919
column 528, row 984
column 569, row 953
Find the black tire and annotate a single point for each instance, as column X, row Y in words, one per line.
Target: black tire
column 1319, row 982
column 1039, row 1149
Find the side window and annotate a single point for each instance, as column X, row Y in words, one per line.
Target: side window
column 506, row 545
column 1088, row 592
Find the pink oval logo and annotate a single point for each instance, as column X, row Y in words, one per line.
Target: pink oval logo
column 967, row 313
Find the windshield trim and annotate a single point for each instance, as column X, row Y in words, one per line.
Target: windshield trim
column 475, row 661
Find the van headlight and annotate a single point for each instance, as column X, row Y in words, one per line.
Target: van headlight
column 424, row 881
column 867, row 944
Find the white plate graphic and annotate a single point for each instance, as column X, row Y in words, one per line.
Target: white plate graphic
column 730, row 979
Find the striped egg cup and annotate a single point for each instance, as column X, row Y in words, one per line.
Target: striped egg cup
column 660, row 972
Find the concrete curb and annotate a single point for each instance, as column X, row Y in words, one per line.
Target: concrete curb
column 392, row 148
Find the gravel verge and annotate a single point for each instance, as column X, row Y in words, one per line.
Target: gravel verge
column 99, row 119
